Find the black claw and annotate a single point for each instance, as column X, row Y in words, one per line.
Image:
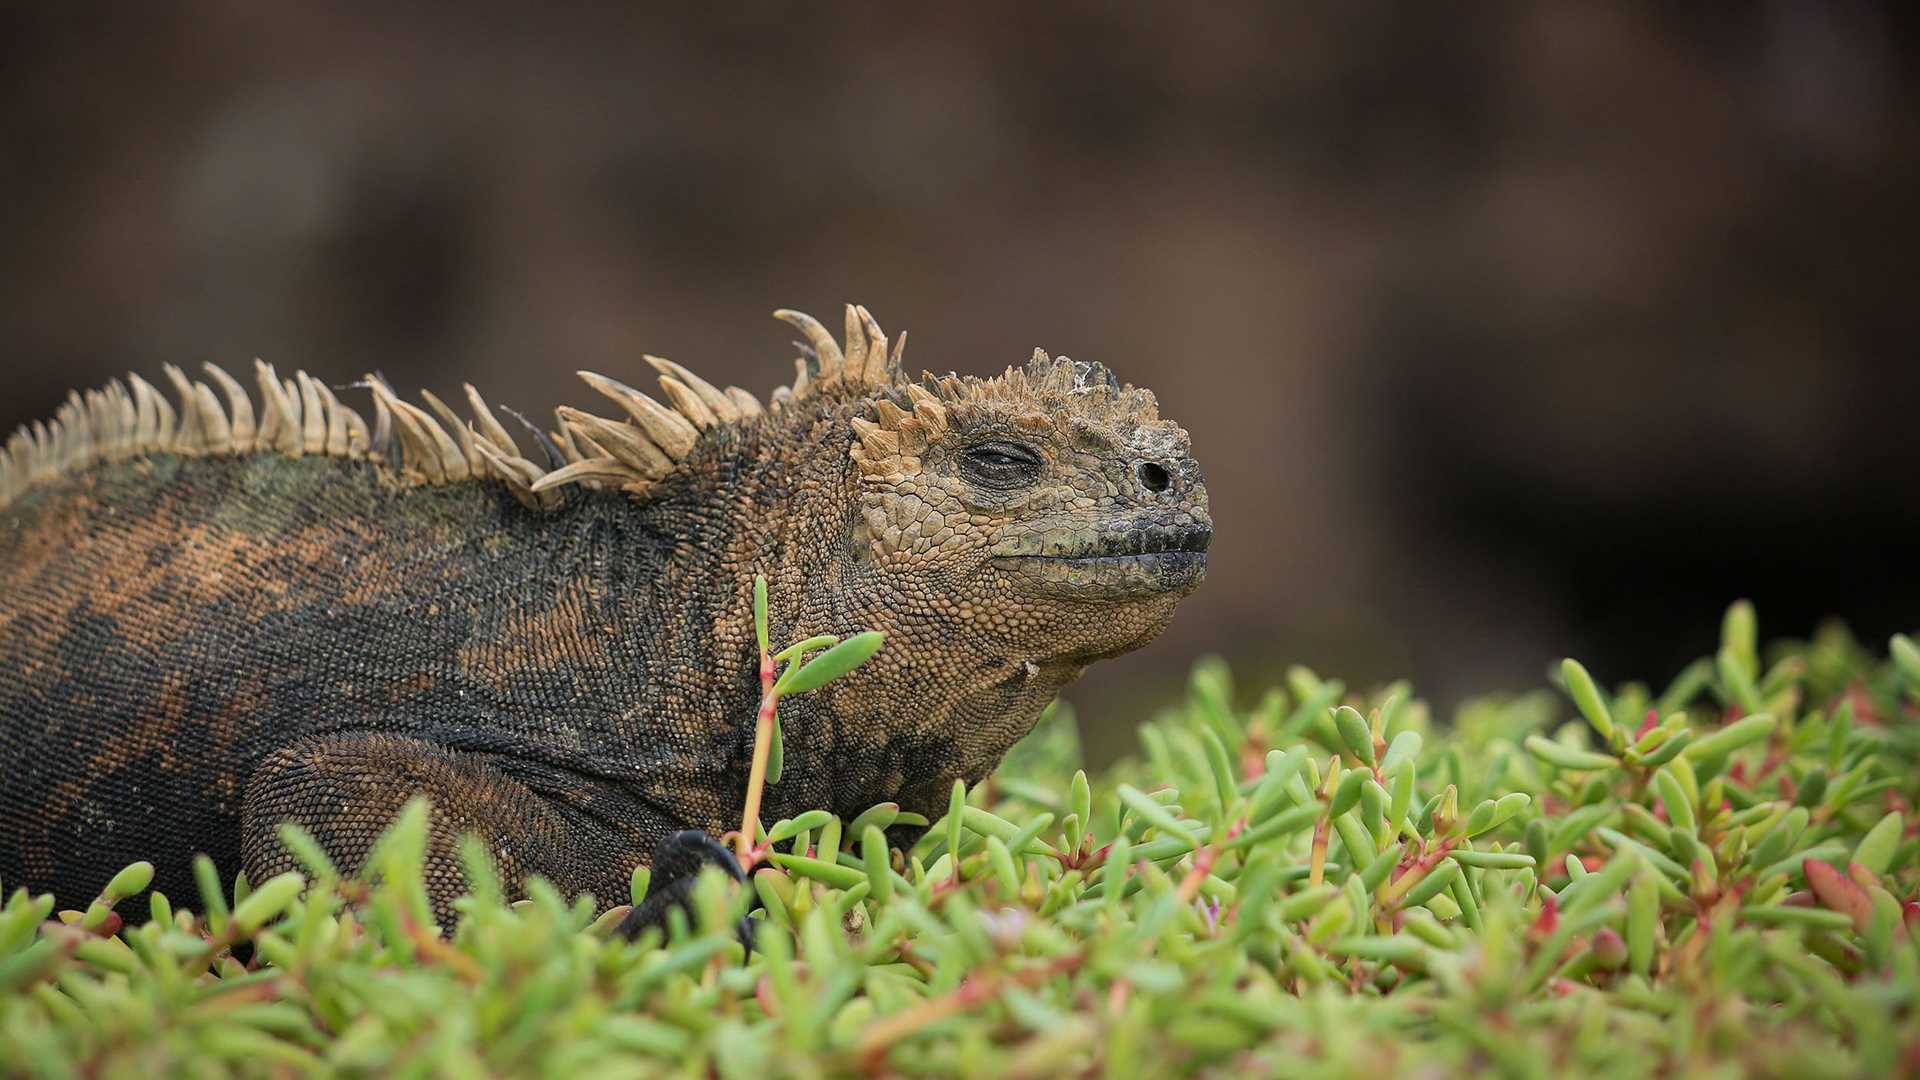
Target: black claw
column 685, row 852
column 677, row 862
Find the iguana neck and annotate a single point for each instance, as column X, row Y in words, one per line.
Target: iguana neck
column 940, row 700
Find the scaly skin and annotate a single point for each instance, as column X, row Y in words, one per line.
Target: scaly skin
column 197, row 645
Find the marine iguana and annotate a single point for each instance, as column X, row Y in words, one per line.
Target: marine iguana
column 216, row 616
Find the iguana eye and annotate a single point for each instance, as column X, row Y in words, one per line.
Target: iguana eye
column 1000, row 464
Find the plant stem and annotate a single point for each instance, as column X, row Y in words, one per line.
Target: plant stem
column 1414, row 874
column 974, row 990
column 757, row 777
column 1319, row 858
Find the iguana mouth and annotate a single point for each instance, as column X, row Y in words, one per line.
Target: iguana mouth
column 1141, row 539
column 1151, row 540
column 1147, row 559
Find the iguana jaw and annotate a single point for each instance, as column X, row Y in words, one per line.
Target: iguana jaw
column 1110, row 577
column 1142, row 559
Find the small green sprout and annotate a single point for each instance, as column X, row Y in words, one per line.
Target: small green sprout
column 810, row 664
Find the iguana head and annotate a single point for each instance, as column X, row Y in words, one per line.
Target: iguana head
column 1049, row 506
column 1005, row 532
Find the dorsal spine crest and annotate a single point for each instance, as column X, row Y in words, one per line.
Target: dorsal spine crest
column 302, row 416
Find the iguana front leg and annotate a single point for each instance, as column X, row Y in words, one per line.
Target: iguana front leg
column 346, row 789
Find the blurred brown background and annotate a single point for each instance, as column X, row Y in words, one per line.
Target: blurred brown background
column 1502, row 332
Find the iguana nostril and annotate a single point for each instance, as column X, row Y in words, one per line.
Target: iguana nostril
column 1154, row 476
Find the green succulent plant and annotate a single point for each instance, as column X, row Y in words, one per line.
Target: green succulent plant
column 1720, row 876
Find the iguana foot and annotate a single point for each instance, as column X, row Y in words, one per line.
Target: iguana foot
column 676, row 865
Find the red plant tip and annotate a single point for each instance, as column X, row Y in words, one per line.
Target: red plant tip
column 1864, row 709
column 1087, row 858
column 1703, row 881
column 1549, row 918
column 1652, row 721
column 1838, row 892
column 749, row 857
column 1609, row 948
